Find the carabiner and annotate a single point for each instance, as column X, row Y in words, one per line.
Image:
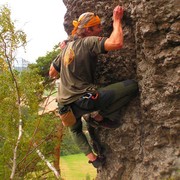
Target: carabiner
column 87, row 96
column 94, row 96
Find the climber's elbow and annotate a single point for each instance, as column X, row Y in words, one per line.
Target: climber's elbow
column 113, row 45
column 52, row 72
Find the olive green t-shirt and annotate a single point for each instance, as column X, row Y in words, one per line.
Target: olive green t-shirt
column 77, row 66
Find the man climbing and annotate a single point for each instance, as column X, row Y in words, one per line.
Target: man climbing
column 77, row 90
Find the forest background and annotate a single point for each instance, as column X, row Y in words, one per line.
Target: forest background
column 26, row 144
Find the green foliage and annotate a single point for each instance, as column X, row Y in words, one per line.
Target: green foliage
column 26, row 87
column 28, row 160
column 29, row 88
column 68, row 146
column 43, row 64
column 45, row 140
column 10, row 38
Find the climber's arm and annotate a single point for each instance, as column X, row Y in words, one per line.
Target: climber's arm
column 115, row 41
column 54, row 69
column 53, row 73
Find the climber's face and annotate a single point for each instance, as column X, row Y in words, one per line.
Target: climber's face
column 94, row 30
column 97, row 30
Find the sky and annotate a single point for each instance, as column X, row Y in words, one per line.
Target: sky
column 42, row 21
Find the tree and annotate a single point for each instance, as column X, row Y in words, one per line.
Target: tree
column 20, row 97
column 42, row 66
column 10, row 38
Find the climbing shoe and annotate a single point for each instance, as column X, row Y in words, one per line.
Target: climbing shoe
column 105, row 123
column 99, row 162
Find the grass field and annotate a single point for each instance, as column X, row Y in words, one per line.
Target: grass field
column 76, row 167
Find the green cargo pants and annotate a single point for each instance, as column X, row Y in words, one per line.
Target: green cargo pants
column 108, row 102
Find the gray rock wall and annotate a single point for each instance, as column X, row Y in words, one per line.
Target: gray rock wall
column 147, row 145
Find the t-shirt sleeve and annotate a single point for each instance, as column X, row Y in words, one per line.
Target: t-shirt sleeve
column 57, row 63
column 96, row 44
column 102, row 41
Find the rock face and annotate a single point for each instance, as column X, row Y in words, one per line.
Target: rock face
column 147, row 145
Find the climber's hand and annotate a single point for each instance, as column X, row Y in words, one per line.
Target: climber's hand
column 118, row 13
